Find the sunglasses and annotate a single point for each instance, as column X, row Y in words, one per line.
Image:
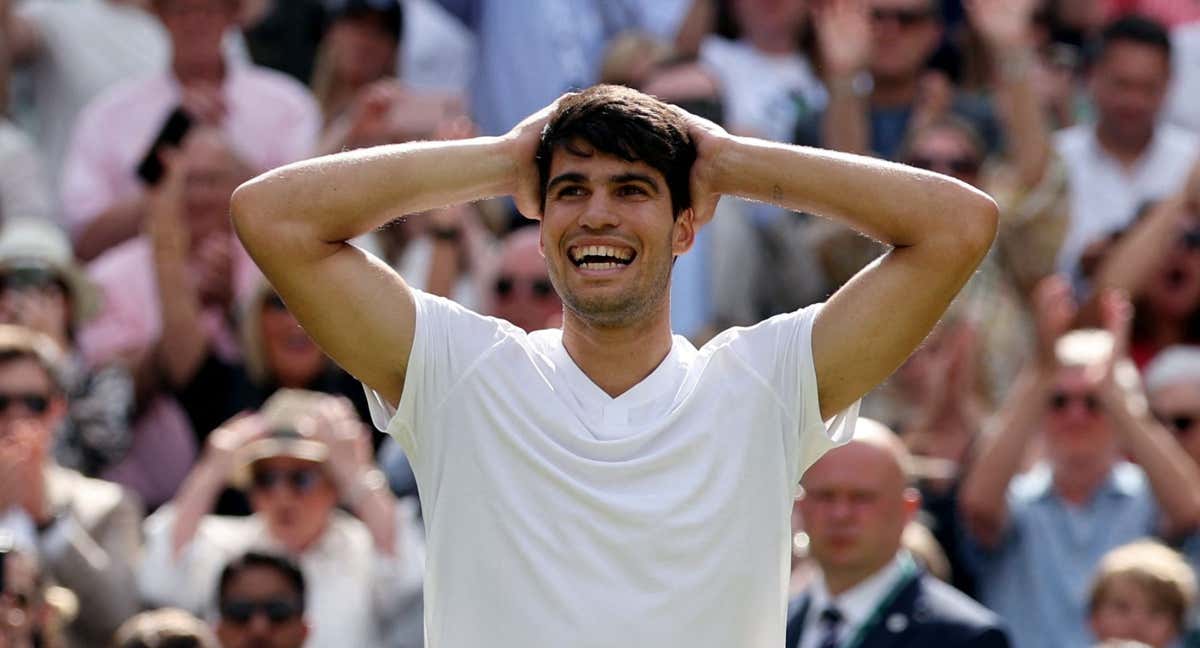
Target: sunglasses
column 902, row 17
column 1061, row 400
column 1179, row 424
column 1191, row 239
column 34, row 403
column 277, row 611
column 301, row 481
column 31, row 279
column 506, row 285
column 956, row 165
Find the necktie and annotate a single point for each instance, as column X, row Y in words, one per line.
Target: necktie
column 831, row 625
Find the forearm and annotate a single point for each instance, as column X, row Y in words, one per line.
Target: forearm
column 983, row 497
column 112, row 227
column 1025, row 128
column 1173, row 476
column 183, row 343
column 375, row 506
column 1127, row 267
column 306, row 206
column 892, row 203
column 195, row 500
column 845, row 126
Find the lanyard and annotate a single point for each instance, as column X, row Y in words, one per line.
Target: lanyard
column 908, row 572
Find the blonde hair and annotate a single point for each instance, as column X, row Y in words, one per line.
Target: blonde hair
column 1154, row 568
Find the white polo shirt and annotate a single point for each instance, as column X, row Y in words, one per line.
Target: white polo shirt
column 559, row 516
column 1182, row 106
column 1105, row 196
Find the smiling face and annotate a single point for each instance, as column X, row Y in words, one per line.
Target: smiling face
column 609, row 237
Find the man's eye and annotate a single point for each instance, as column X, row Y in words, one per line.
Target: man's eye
column 631, row 190
column 570, row 191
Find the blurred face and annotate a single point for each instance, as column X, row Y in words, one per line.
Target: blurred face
column 1177, row 407
column 946, row 151
column 36, row 298
column 261, row 609
column 1128, row 85
column 364, row 48
column 855, row 507
column 292, row 358
column 772, row 18
column 197, row 27
column 609, row 237
column 211, row 179
column 522, row 292
column 294, row 497
column 1128, row 612
column 1077, row 431
column 905, row 34
column 1174, row 294
column 30, row 406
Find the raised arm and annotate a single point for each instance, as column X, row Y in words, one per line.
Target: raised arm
column 939, row 228
column 296, row 220
column 844, row 35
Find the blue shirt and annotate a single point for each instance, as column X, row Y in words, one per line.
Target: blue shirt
column 1039, row 575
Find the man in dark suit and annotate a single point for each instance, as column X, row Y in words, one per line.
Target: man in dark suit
column 869, row 592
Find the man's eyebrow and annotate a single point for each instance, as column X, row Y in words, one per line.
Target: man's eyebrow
column 633, row 177
column 571, row 176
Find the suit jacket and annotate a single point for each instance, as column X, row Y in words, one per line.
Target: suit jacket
column 92, row 549
column 926, row 612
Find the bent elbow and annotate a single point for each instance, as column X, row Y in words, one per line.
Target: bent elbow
column 247, row 212
column 981, row 221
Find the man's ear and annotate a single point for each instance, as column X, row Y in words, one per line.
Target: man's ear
column 683, row 232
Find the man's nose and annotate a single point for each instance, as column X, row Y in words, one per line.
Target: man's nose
column 599, row 212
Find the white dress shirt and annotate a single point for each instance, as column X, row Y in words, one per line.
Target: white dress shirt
column 856, row 604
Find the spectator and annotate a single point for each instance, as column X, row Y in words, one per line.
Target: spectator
column 42, row 288
column 298, row 458
column 85, row 530
column 521, row 291
column 269, row 118
column 157, row 270
column 72, row 53
column 528, row 53
column 767, row 80
column 165, row 628
column 856, row 504
column 1173, row 384
column 1039, row 534
column 875, row 57
column 260, row 603
column 1127, row 157
column 1142, row 591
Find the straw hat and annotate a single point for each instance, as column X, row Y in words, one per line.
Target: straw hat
column 30, row 243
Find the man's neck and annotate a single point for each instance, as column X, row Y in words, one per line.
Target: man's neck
column 894, row 92
column 1078, row 484
column 192, row 72
column 1126, row 151
column 840, row 581
column 617, row 358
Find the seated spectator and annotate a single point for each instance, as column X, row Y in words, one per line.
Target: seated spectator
column 85, row 530
column 268, row 118
column 767, row 80
column 188, row 248
column 520, row 291
column 165, row 628
column 1128, row 156
column 297, row 458
column 1142, row 591
column 856, row 504
column 260, row 602
column 1037, row 535
column 1165, row 287
column 875, row 56
column 72, row 52
column 42, row 288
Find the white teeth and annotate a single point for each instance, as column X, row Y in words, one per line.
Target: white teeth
column 600, row 266
column 624, row 254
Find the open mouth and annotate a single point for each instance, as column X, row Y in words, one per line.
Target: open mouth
column 1175, row 278
column 600, row 257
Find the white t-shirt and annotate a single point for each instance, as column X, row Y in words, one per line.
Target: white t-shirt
column 1105, row 196
column 764, row 94
column 1182, row 107
column 559, row 516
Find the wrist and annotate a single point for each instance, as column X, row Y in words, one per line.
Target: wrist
column 1014, row 61
column 364, row 483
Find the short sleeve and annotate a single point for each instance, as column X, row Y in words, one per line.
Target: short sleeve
column 448, row 343
column 779, row 349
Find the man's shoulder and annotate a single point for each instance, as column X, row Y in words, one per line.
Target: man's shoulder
column 90, row 499
column 956, row 619
column 130, row 259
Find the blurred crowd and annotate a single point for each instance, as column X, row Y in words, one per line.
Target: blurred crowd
column 180, row 465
